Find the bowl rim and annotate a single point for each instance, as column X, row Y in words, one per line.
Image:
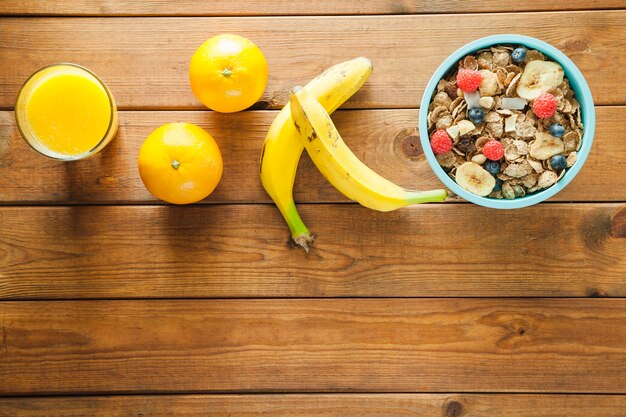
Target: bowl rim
column 583, row 95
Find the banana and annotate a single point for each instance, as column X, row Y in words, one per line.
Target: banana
column 539, row 77
column 473, row 178
column 545, row 146
column 282, row 147
column 341, row 167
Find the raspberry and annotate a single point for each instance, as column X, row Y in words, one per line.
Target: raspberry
column 440, row 142
column 468, row 80
column 493, row 150
column 544, row 106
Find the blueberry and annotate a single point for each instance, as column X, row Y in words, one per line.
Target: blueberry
column 518, row 55
column 558, row 162
column 493, row 167
column 476, row 115
column 498, row 185
column 557, row 130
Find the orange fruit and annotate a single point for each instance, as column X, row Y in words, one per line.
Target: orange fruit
column 228, row 73
column 180, row 163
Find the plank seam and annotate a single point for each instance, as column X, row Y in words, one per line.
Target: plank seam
column 303, row 15
column 307, row 393
column 300, row 298
column 20, row 204
column 276, row 110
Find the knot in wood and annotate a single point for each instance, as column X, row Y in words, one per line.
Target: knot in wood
column 408, row 142
column 454, row 409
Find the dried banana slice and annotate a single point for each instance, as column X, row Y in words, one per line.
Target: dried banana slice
column 545, row 146
column 539, row 77
column 473, row 178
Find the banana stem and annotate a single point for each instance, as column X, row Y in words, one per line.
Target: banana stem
column 304, row 241
column 430, row 196
column 299, row 232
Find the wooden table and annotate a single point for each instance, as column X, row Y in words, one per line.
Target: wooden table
column 114, row 304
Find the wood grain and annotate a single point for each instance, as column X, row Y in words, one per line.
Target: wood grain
column 381, row 345
column 458, row 250
column 148, row 71
column 321, row 405
column 386, row 140
column 284, row 7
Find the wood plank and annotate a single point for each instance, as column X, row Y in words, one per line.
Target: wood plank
column 243, row 251
column 148, row 71
column 284, row 7
column 386, row 140
column 320, row 345
column 320, row 405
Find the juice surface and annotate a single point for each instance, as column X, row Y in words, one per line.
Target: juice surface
column 67, row 110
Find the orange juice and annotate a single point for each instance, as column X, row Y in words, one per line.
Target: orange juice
column 65, row 112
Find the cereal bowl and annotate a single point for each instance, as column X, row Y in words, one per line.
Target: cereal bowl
column 577, row 84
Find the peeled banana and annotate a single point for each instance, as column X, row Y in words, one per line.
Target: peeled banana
column 282, row 147
column 341, row 167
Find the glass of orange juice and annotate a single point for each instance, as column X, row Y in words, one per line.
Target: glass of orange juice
column 66, row 112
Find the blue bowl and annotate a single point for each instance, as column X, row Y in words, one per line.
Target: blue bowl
column 577, row 83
